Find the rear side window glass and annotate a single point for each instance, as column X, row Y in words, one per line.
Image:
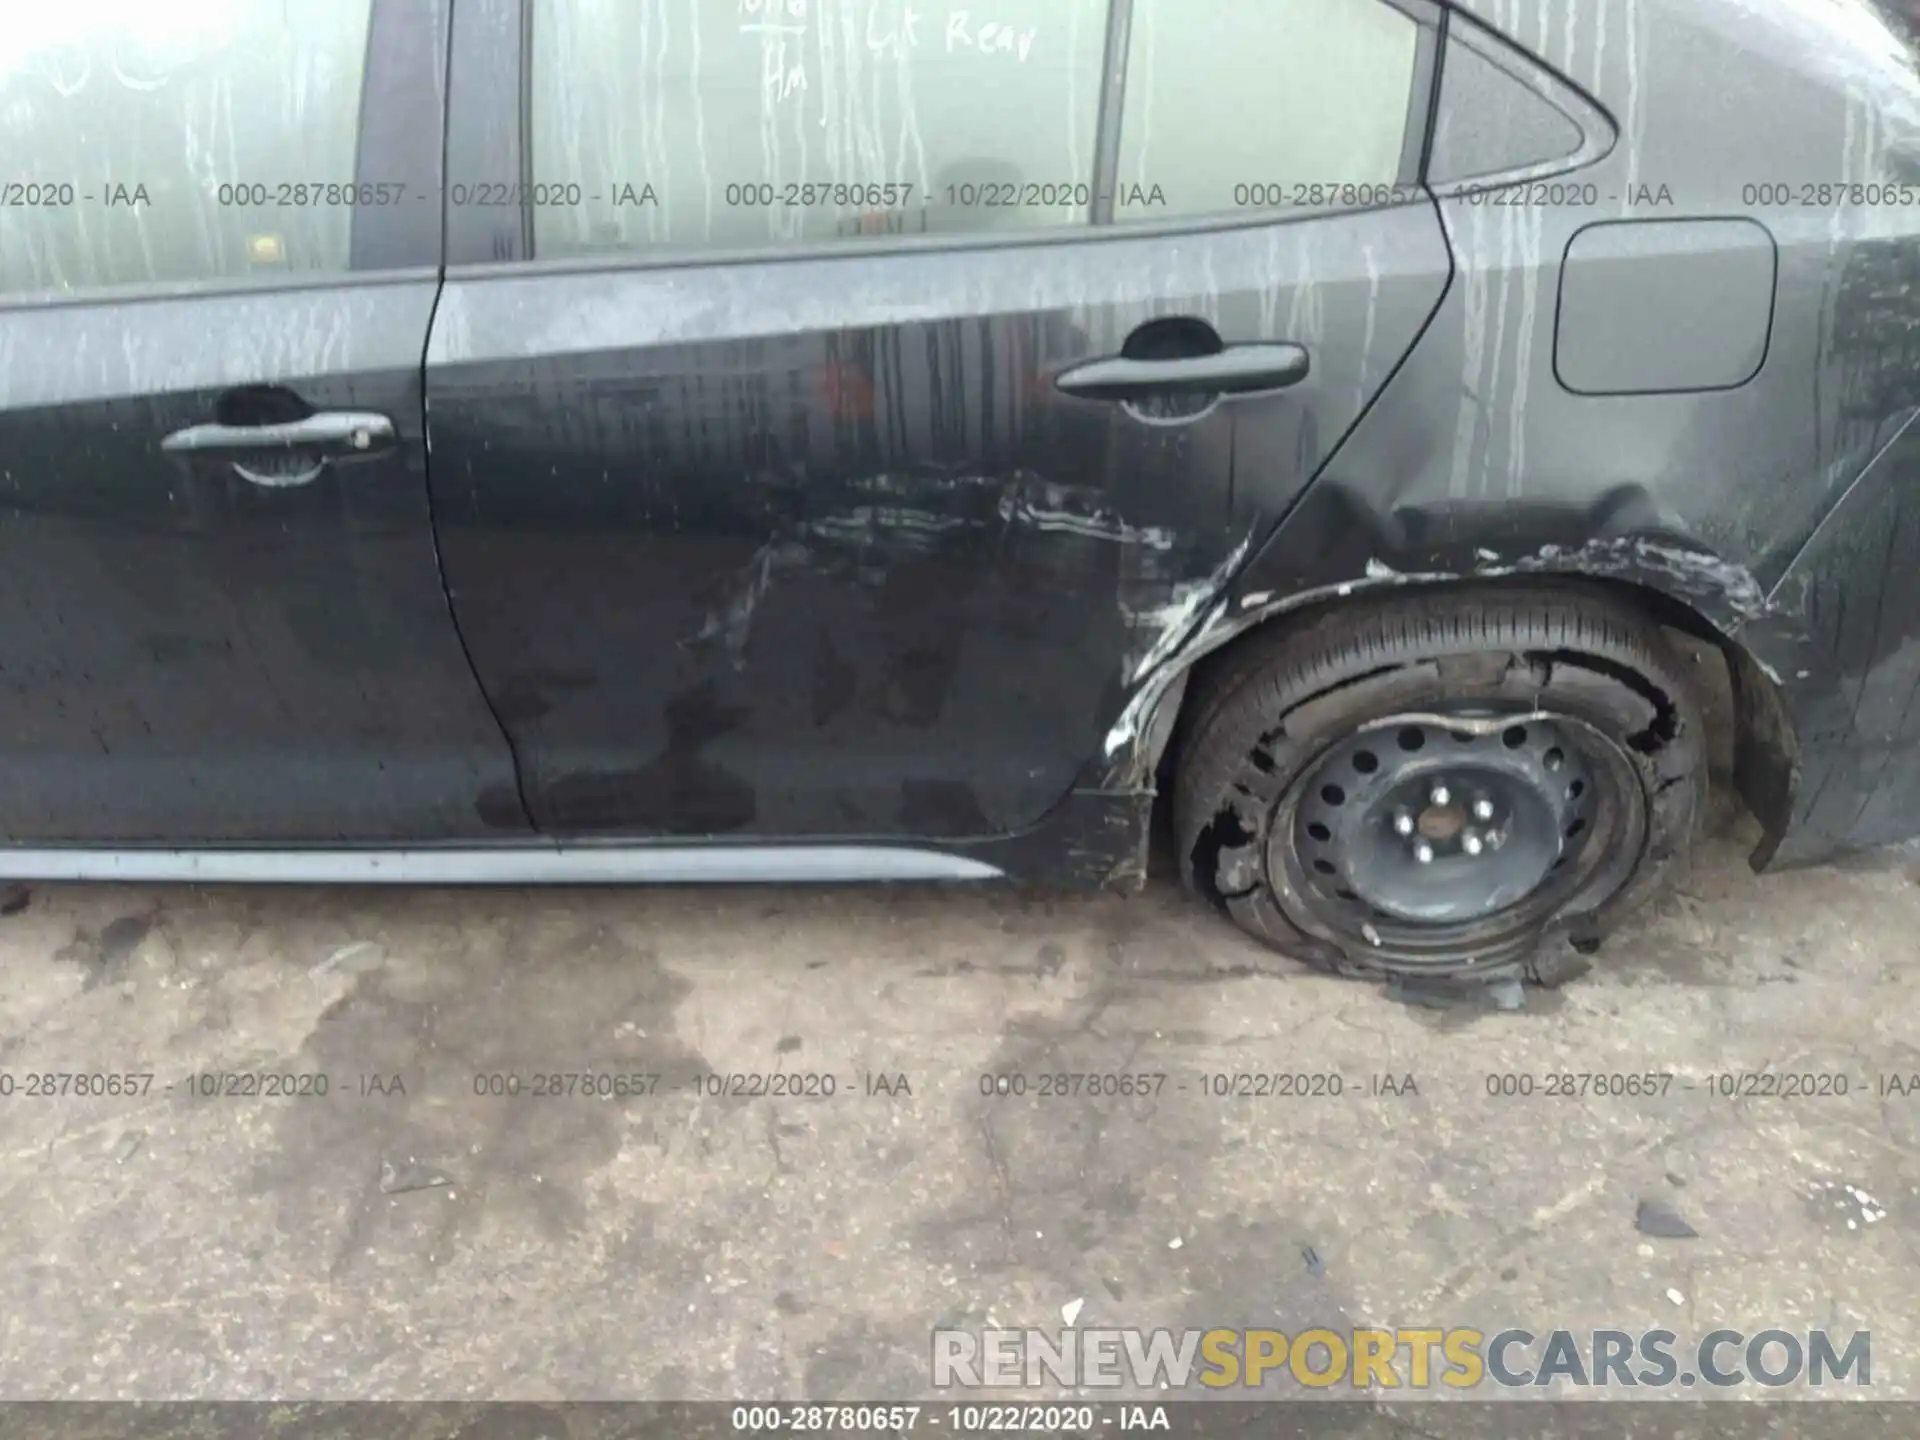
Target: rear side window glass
column 669, row 126
column 147, row 143
column 1270, row 103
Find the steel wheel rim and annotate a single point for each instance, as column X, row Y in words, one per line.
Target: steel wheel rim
column 1574, row 812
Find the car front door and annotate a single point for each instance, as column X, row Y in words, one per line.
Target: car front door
column 836, row 407
column 220, row 614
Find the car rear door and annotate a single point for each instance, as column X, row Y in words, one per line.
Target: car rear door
column 220, row 612
column 838, row 405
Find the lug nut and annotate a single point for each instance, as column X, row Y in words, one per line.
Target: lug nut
column 1471, row 844
column 1483, row 809
column 1439, row 795
column 1496, row 838
column 1423, row 852
column 1403, row 824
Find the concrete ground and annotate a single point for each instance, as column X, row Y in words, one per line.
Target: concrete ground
column 444, row 1243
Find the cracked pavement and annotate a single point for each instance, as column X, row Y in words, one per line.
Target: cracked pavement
column 443, row 1243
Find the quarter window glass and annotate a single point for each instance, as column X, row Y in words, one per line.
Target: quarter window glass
column 1279, row 103
column 694, row 125
column 1492, row 123
column 144, row 142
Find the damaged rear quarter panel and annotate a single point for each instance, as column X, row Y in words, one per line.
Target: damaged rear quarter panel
column 1781, row 513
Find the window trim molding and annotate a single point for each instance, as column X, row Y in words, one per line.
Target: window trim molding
column 1423, row 100
column 486, row 138
column 1113, row 109
column 403, row 112
column 227, row 288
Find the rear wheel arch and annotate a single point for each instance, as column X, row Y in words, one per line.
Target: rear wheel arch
column 1743, row 697
column 1765, row 746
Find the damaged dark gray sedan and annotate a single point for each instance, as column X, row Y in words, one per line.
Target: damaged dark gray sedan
column 867, row 439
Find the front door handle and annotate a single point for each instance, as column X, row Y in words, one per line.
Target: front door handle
column 292, row 453
column 1236, row 370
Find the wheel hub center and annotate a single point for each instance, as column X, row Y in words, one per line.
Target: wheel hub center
column 1441, row 822
column 1424, row 824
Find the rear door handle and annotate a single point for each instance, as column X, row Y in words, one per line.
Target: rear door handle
column 291, row 453
column 1236, row 370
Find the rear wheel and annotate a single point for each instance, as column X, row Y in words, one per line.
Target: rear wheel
column 1449, row 785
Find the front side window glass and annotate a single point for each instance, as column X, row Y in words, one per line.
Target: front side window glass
column 191, row 140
